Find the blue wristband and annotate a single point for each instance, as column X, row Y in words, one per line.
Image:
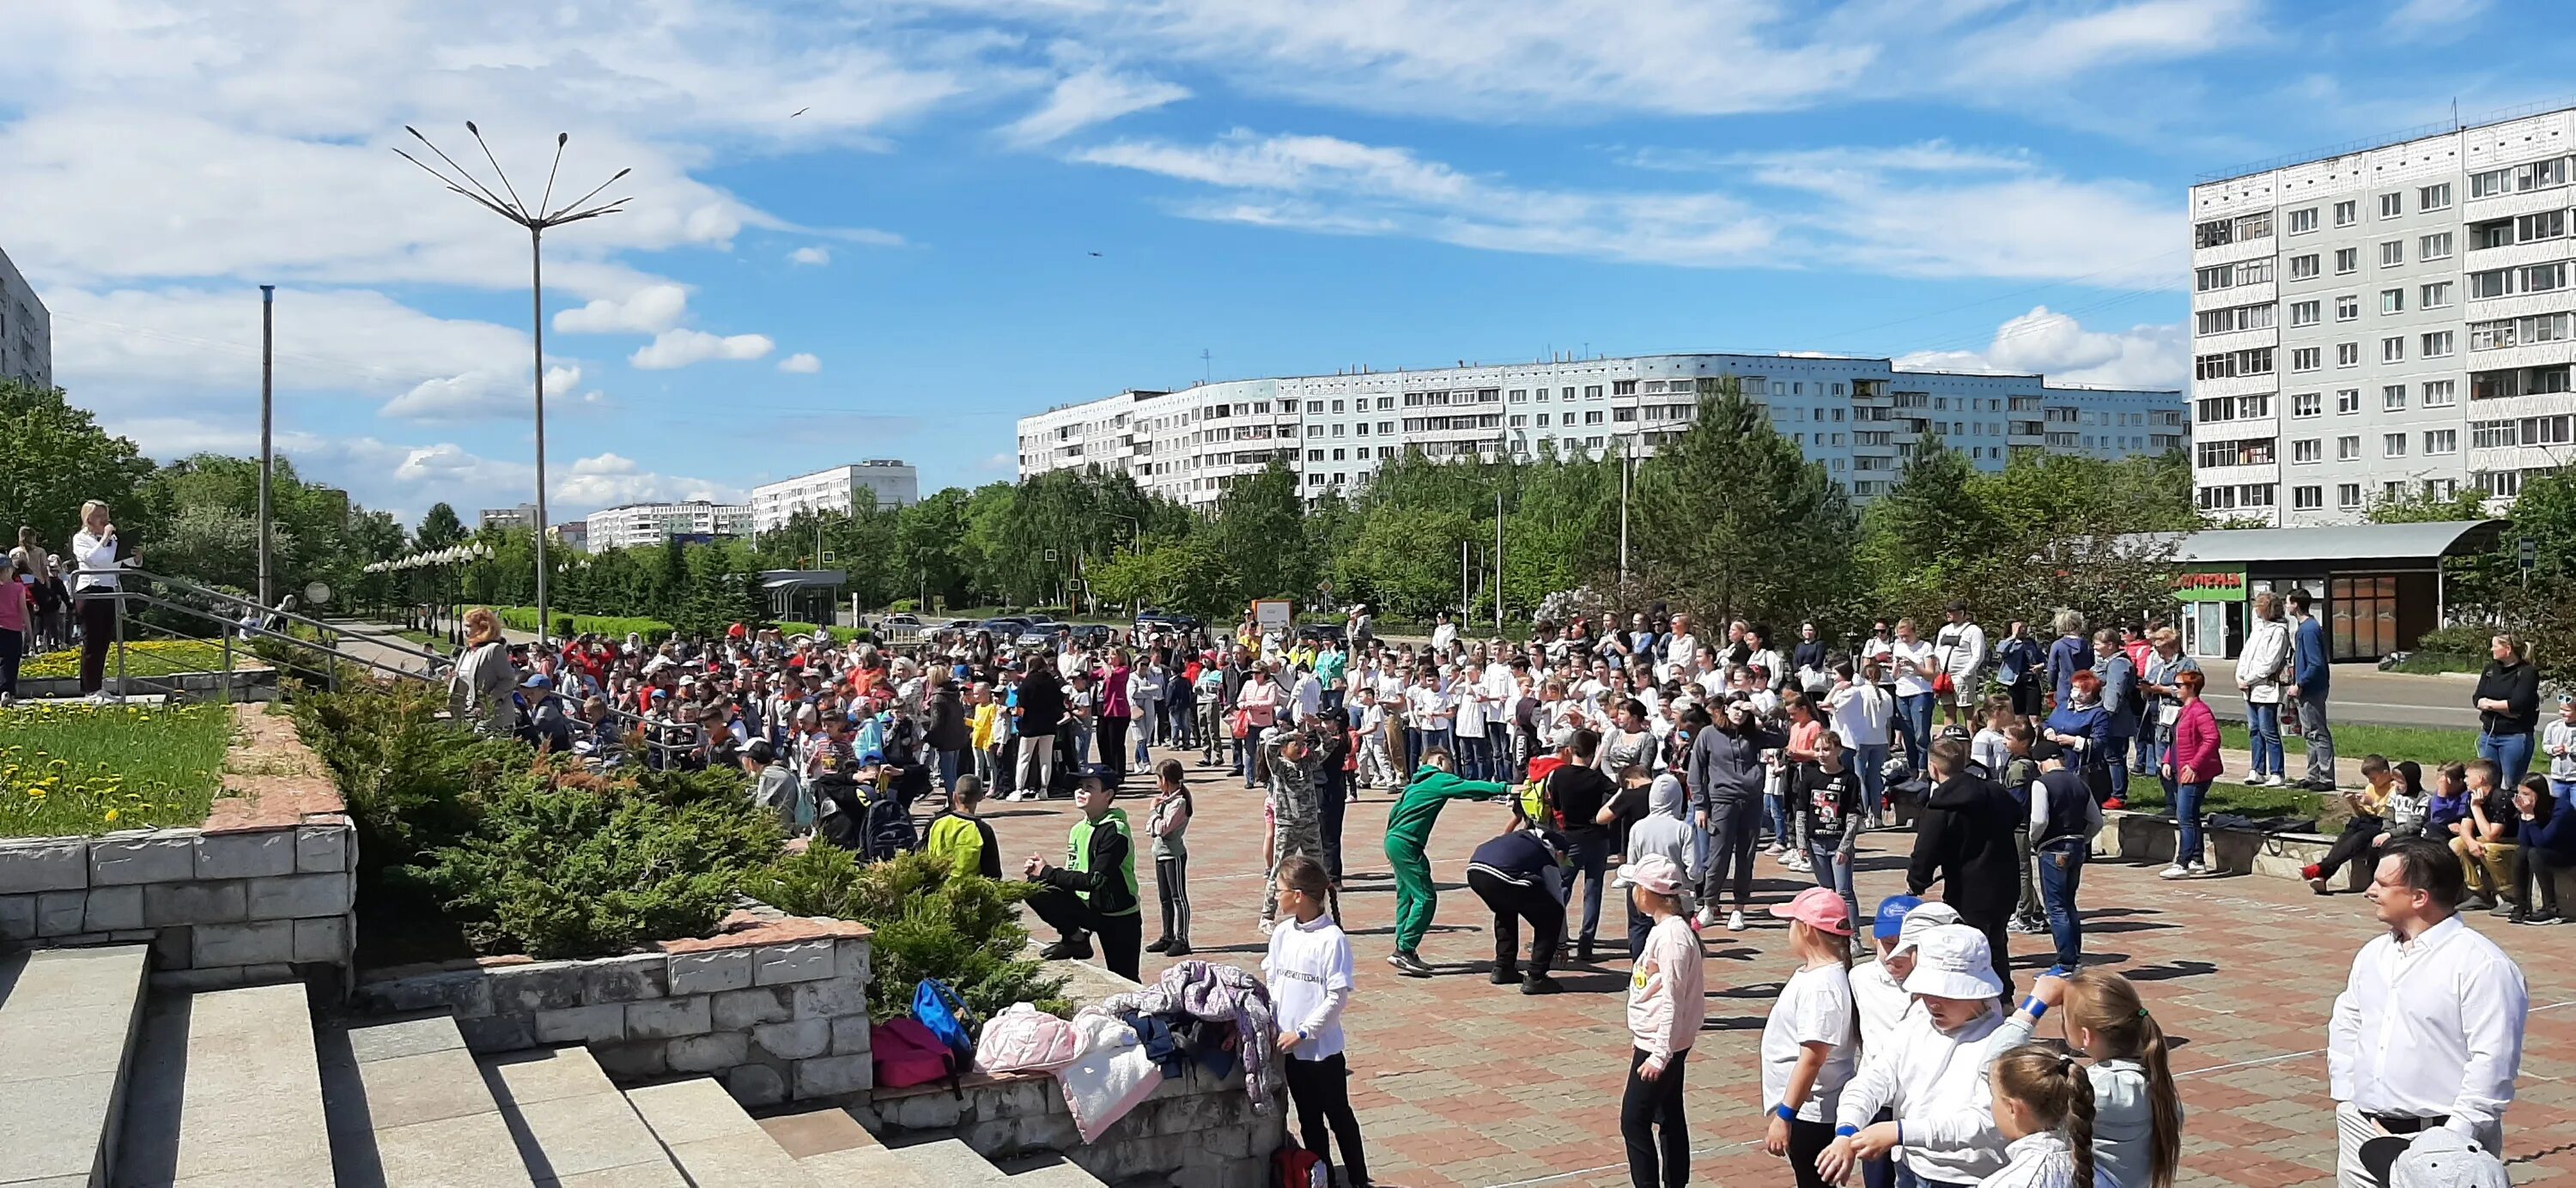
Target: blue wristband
column 2035, row 1007
column 1846, row 1131
column 1784, row 1113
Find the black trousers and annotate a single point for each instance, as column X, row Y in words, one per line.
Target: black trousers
column 13, row 647
column 1172, row 887
column 1332, row 789
column 1513, row 903
column 2358, row 833
column 1650, row 1120
column 1122, row 937
column 1991, row 921
column 1321, row 1091
column 1113, row 747
column 98, row 633
column 1806, row 1141
column 2535, row 870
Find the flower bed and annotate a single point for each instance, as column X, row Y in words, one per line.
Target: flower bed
column 68, row 770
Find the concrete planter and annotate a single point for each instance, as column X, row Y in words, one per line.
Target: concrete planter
column 2153, row 837
column 775, row 1006
column 250, row 682
column 261, row 892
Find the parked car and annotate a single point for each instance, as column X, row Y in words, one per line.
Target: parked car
column 1320, row 632
column 1093, row 635
column 1149, row 621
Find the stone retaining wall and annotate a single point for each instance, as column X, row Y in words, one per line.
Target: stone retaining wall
column 249, row 681
column 260, row 893
column 775, row 1006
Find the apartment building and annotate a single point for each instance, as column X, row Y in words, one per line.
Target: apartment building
column 638, row 524
column 1856, row 416
column 2384, row 323
column 522, row 516
column 26, row 330
column 888, row 482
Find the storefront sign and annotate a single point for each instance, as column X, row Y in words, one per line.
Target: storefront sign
column 2211, row 585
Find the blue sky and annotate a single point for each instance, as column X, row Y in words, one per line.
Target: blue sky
column 1290, row 187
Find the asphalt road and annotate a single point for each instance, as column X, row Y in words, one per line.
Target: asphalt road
column 2362, row 693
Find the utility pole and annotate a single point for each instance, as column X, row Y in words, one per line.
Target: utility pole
column 1627, row 468
column 267, row 426
column 1498, row 562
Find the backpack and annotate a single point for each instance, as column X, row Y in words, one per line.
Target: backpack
column 906, row 1053
column 887, row 829
column 1293, row 1166
column 1025, row 1039
column 937, row 1008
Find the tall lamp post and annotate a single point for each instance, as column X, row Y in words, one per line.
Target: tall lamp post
column 536, row 219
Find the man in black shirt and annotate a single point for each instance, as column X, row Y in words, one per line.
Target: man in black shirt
column 1964, row 839
column 1575, row 793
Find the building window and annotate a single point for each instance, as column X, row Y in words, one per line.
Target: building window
column 2348, row 495
column 2392, row 398
column 2307, row 404
column 2392, row 445
column 2392, row 205
column 2440, row 394
column 2392, row 350
column 2540, row 175
column 2305, row 358
column 2547, row 224
column 2307, row 450
column 2436, row 197
column 2347, row 354
column 2347, row 448
column 2303, row 267
column 1314, row 455
column 2436, row 246
column 2392, row 301
column 2441, row 441
column 2303, row 221
column 2438, row 344
column 2494, row 435
column 2545, row 431
column 2347, row 308
column 1592, row 391
column 2305, row 313
column 2307, row 498
column 2345, row 212
column 1542, row 420
column 2436, row 295
column 1314, row 431
column 2347, row 260
column 1337, row 455
column 2347, row 400
column 2392, row 253
column 1623, row 387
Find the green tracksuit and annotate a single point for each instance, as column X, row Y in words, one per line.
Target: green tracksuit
column 1408, row 832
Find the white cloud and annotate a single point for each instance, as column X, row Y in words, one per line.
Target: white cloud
column 679, row 348
column 648, row 310
column 810, row 254
column 609, row 479
column 1928, row 210
column 2439, row 20
column 2046, row 46
column 2045, row 342
column 1094, row 96
column 489, row 395
column 800, row 363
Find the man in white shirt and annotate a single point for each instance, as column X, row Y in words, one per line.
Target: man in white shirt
column 1307, row 698
column 2428, row 1031
column 1961, row 645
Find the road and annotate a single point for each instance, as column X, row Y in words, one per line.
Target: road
column 2363, row 694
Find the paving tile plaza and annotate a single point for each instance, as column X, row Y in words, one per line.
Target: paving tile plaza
column 1458, row 1082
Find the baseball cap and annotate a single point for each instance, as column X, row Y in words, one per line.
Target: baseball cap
column 1891, row 915
column 660, row 694
column 1953, row 961
column 2042, row 750
column 1919, row 920
column 1818, row 907
column 1654, row 872
column 539, row 680
column 2436, row 1158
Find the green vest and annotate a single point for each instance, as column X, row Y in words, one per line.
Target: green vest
column 1078, row 852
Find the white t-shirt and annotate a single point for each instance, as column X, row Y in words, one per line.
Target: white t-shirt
column 1910, row 681
column 1307, row 962
column 1815, row 1007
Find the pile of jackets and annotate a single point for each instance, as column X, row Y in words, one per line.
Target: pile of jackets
column 1113, row 1055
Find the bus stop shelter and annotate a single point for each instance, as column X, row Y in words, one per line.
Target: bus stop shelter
column 2377, row 586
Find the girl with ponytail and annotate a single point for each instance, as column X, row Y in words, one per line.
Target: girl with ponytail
column 2044, row 1107
column 2136, row 1123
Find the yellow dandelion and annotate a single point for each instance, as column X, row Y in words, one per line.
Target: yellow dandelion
column 111, row 814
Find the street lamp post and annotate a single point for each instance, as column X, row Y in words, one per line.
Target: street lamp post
column 536, row 219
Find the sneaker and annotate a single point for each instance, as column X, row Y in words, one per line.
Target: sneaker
column 1266, row 926
column 2175, row 871
column 1159, row 945
column 1179, row 948
column 1583, row 954
column 2195, row 869
column 1540, row 984
column 1775, row 850
column 2474, row 903
column 2541, row 919
column 1503, row 975
column 2505, row 909
column 1735, row 921
column 1707, row 917
column 1409, row 965
column 2114, row 804
column 2320, row 886
column 1072, row 948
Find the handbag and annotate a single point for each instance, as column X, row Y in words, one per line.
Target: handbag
column 1942, row 687
column 1242, row 725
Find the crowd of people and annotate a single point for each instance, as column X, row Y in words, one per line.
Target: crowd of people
column 1664, row 764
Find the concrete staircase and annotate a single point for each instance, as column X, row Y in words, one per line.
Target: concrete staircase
column 105, row 1086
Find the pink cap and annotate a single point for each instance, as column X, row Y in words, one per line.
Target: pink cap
column 1819, row 907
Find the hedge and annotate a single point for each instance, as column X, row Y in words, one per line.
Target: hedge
column 524, row 618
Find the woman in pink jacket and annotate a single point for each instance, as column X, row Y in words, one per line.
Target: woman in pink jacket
column 2192, row 764
column 1667, row 1002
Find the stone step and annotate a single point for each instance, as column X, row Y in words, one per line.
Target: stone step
column 408, row 1109
column 809, row 1133
column 573, row 1127
column 1050, row 1171
column 948, row 1162
column 227, row 1090
column 715, row 1144
column 68, row 1019
column 874, row 1167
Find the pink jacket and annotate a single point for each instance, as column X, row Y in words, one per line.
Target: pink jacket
column 2195, row 743
column 1668, row 993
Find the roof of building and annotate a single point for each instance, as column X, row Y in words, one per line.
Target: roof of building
column 2341, row 542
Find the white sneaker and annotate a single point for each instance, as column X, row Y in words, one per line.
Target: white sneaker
column 2196, row 869
column 2175, row 871
column 1735, row 921
column 1797, row 863
column 1708, row 917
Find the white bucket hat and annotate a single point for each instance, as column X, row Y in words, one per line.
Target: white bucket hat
column 1922, row 919
column 1952, row 961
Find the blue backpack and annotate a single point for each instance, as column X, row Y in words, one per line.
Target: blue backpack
column 938, row 1008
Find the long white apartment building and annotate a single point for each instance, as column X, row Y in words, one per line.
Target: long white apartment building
column 889, row 482
column 1857, row 416
column 26, row 330
column 2385, row 322
column 637, row 524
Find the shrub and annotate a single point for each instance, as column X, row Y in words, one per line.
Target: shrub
column 564, row 863
column 524, row 618
column 2459, row 639
column 904, row 605
column 413, row 783
column 930, row 923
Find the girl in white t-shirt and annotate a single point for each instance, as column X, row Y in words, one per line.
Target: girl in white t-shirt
column 1811, row 1044
column 1309, row 969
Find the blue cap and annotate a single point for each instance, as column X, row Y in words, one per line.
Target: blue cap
column 1891, row 915
column 1097, row 771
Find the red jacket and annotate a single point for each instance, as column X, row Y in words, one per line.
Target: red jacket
column 2195, row 743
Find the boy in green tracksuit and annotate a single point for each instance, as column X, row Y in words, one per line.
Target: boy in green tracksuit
column 1408, row 833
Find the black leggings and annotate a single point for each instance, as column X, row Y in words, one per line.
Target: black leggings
column 98, row 633
column 1806, row 1141
column 1512, row 903
column 1649, row 1107
column 1114, row 754
column 2358, row 833
column 1321, row 1091
column 1122, row 937
column 2536, row 870
column 1172, row 887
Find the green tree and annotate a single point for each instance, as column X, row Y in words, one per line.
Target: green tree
column 1260, row 531
column 1930, row 528
column 1734, row 520
column 439, row 528
column 59, row 458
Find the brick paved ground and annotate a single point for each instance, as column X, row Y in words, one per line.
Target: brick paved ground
column 1458, row 1082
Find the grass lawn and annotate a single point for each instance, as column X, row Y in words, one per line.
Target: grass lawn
column 2149, row 796
column 88, row 769
column 2428, row 745
column 144, row 658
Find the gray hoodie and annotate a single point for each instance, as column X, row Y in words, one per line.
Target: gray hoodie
column 1665, row 830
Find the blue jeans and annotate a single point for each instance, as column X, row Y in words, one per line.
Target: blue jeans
column 2143, row 760
column 1914, row 721
column 2263, row 725
column 949, row 763
column 1775, row 808
column 1590, row 852
column 2512, row 752
column 1871, row 760
column 2115, row 752
column 2186, row 803
column 1474, row 758
column 2061, row 871
column 1834, row 870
